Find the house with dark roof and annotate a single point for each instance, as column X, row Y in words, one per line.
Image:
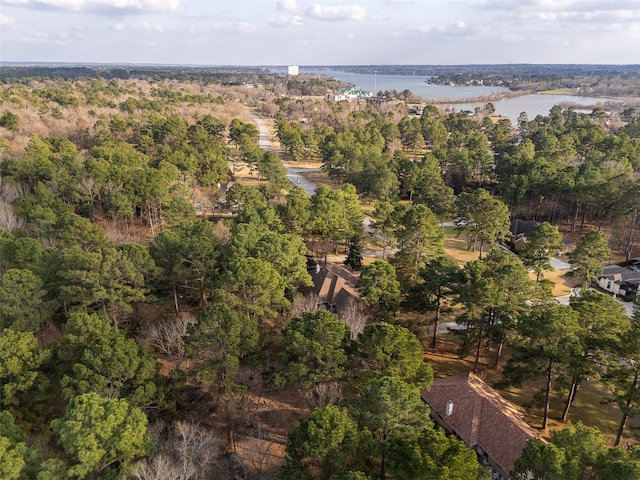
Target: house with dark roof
column 334, row 286
column 475, row 413
column 622, row 280
column 519, row 230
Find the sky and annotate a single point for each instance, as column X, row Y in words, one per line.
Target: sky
column 320, row 32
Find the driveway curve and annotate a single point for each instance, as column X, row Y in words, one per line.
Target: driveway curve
column 294, row 174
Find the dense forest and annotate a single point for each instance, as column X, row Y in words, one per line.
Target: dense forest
column 153, row 324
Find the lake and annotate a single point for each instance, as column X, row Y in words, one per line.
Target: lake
column 416, row 83
column 533, row 104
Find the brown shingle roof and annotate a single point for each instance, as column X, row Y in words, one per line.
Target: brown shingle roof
column 333, row 284
column 480, row 417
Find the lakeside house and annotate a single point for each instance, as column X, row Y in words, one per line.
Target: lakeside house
column 349, row 93
column 475, row 413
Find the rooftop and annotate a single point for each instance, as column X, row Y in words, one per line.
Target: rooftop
column 480, row 417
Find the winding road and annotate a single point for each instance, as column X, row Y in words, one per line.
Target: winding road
column 293, row 173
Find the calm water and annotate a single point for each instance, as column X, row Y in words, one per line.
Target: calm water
column 533, row 105
column 416, row 83
column 537, row 104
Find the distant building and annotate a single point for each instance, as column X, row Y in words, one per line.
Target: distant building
column 349, row 93
column 622, row 280
column 475, row 413
column 293, row 70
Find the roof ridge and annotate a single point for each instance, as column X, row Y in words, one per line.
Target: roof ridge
column 487, row 393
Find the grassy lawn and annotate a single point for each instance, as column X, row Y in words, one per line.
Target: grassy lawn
column 456, row 247
column 558, row 91
column 319, row 178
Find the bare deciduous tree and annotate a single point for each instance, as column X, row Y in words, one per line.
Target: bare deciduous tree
column 167, row 335
column 303, row 303
column 260, row 456
column 323, row 394
column 354, row 314
column 237, row 410
column 8, row 219
column 186, row 451
column 8, row 193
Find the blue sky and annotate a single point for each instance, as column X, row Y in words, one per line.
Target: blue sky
column 320, row 32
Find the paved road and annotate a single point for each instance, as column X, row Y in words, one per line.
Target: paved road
column 628, row 306
column 558, row 264
column 293, row 173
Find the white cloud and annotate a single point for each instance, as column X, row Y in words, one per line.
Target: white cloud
column 315, row 12
column 100, row 6
column 34, row 37
column 283, row 22
column 63, row 39
column 150, row 27
column 603, row 17
column 5, row 20
column 142, row 26
column 457, row 28
column 512, row 37
column 290, row 6
column 347, row 12
column 243, row 27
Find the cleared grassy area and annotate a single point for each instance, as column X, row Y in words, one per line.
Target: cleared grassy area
column 319, row 178
column 455, row 245
column 558, row 91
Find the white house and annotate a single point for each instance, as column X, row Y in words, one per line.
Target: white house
column 622, row 280
column 293, row 70
column 349, row 93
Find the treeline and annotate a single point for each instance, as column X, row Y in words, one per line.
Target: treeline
column 620, row 82
column 566, row 168
column 125, row 72
column 515, row 69
column 224, row 76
